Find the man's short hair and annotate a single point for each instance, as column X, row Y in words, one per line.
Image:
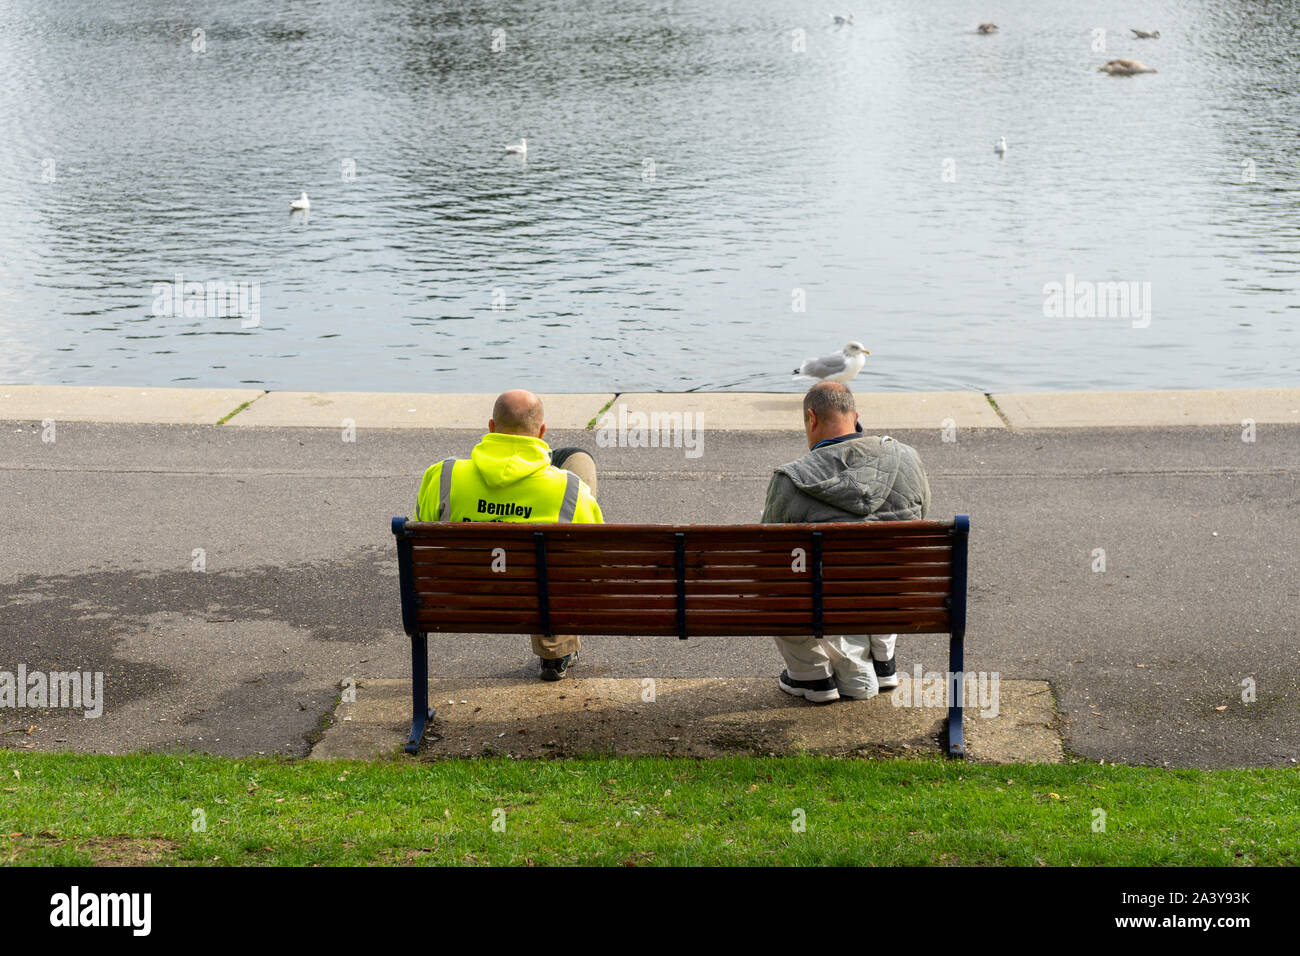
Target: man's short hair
column 829, row 400
column 515, row 415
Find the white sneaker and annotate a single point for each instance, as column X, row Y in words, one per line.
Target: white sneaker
column 886, row 674
column 818, row 691
column 863, row 695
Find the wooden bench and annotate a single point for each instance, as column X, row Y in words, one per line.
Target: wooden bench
column 905, row 577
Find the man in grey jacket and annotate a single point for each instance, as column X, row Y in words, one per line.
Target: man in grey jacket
column 846, row 476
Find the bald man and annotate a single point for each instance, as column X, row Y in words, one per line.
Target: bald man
column 512, row 475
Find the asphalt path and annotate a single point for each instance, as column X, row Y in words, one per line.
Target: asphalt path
column 298, row 592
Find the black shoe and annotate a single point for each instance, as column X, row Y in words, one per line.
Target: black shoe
column 886, row 673
column 555, row 668
column 818, row 691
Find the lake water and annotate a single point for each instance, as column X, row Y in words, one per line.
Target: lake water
column 708, row 198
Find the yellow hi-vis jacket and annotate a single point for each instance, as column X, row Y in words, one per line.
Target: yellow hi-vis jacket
column 506, row 478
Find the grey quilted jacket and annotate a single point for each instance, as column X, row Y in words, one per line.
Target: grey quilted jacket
column 867, row 478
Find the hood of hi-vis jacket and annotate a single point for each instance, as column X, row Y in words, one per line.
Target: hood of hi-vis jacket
column 506, row 459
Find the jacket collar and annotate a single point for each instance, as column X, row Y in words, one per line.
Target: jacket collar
column 838, row 439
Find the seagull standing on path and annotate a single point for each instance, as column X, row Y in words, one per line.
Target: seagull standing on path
column 1000, row 147
column 840, row 366
column 303, row 203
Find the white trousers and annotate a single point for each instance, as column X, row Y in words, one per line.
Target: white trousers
column 845, row 657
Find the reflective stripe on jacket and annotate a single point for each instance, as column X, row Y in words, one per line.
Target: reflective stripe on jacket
column 506, row 478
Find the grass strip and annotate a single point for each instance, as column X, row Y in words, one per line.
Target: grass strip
column 1002, row 415
column 233, row 413
column 72, row 809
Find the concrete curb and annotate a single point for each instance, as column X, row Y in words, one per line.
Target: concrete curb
column 114, row 405
column 759, row 411
column 399, row 410
column 1227, row 407
column 717, row 411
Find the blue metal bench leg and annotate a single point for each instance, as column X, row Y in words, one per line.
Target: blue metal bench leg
column 957, row 646
column 421, row 712
column 956, row 691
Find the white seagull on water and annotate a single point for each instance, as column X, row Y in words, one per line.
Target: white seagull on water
column 518, row 149
column 303, row 203
column 842, row 366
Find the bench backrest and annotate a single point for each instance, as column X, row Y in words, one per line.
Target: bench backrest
column 843, row 578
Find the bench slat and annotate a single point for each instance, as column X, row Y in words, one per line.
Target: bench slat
column 719, row 532
column 831, row 572
column 697, row 572
column 760, row 628
column 591, row 619
column 717, row 558
column 800, row 603
column 723, row 584
column 707, row 630
column 528, row 588
column 665, row 623
column 468, row 553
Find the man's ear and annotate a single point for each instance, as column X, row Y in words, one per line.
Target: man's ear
column 492, row 424
column 542, row 433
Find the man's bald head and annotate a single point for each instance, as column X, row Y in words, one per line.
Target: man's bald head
column 517, row 412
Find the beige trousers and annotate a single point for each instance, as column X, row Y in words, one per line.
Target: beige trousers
column 845, row 657
column 584, row 466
